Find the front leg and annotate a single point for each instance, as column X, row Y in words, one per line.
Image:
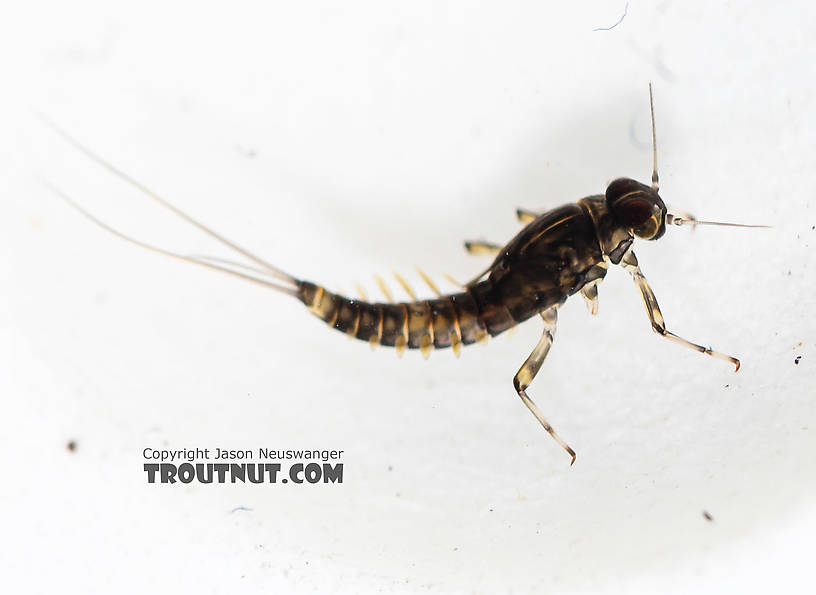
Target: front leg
column 630, row 263
column 527, row 372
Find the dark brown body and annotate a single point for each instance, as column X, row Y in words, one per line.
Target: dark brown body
column 552, row 258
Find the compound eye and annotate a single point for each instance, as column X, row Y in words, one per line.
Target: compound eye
column 634, row 210
column 637, row 207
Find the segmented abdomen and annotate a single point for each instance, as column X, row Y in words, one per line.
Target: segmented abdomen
column 447, row 321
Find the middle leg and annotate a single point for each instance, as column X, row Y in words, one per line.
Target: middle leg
column 590, row 290
column 530, row 368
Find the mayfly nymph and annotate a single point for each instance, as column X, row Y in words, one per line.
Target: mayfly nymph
column 559, row 253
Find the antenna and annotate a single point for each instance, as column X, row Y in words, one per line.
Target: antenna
column 655, row 181
column 688, row 219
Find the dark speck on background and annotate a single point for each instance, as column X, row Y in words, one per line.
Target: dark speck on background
column 707, row 516
column 797, row 360
column 72, row 445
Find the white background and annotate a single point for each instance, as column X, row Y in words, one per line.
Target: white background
column 340, row 140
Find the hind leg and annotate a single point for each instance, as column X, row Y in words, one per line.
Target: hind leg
column 530, row 368
column 480, row 247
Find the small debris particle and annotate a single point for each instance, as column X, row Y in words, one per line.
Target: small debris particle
column 797, row 360
column 72, row 445
column 242, row 508
column 390, row 468
column 35, row 223
column 707, row 516
column 620, row 20
column 249, row 153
